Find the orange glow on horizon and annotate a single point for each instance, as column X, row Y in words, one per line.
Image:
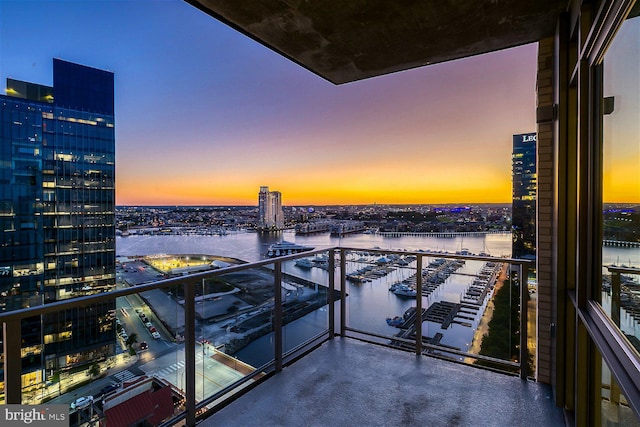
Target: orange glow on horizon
column 317, row 193
column 349, row 188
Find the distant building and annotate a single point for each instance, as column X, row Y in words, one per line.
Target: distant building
column 270, row 215
column 143, row 401
column 57, row 168
column 524, row 196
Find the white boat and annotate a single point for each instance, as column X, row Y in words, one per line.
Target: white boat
column 403, row 290
column 286, row 248
column 304, row 263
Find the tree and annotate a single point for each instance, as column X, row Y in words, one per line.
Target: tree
column 133, row 338
column 503, row 338
column 94, row 370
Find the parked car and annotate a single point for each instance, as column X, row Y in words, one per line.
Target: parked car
column 148, row 325
column 82, row 402
column 152, row 329
column 155, row 335
column 108, row 389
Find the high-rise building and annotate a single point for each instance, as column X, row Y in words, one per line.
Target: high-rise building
column 57, row 174
column 523, row 213
column 270, row 215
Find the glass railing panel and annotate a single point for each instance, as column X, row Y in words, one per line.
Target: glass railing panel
column 532, row 322
column 469, row 306
column 229, row 316
column 497, row 334
column 234, row 314
column 154, row 328
column 97, row 357
column 244, row 332
column 380, row 289
column 456, row 292
column 149, row 353
column 305, row 284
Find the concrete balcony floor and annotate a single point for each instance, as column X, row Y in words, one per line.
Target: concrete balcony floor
column 346, row 382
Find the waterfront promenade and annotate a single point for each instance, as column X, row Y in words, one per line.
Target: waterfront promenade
column 483, row 325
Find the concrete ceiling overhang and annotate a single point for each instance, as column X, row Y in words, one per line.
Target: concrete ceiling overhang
column 347, row 40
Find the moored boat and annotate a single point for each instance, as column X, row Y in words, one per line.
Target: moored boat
column 286, row 248
column 304, row 263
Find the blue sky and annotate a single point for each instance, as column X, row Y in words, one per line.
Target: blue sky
column 205, row 115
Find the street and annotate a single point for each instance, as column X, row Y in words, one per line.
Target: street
column 211, row 375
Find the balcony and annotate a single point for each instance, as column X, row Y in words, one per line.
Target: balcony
column 347, row 382
column 302, row 337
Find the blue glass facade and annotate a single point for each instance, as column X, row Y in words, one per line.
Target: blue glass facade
column 57, row 190
column 523, row 215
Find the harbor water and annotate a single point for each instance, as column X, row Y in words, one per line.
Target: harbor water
column 369, row 303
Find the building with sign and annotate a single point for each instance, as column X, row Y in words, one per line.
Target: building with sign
column 57, row 173
column 524, row 196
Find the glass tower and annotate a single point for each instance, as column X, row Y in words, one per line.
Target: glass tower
column 523, row 212
column 57, row 172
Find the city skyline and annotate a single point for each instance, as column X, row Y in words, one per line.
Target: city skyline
column 206, row 115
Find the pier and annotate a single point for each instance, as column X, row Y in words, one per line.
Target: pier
column 408, row 330
column 620, row 244
column 346, row 227
column 440, row 234
column 311, row 228
column 442, row 312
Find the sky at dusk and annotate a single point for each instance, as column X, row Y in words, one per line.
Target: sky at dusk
column 205, row 116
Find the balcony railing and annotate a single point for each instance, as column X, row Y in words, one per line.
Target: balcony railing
column 220, row 332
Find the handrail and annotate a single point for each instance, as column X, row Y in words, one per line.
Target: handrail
column 623, row 270
column 162, row 283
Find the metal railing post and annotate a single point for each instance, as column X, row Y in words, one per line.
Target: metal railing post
column 419, row 305
column 190, row 353
column 12, row 362
column 615, row 297
column 277, row 314
column 343, row 293
column 524, row 308
column 330, row 297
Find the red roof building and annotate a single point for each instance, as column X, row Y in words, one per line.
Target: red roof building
column 145, row 401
